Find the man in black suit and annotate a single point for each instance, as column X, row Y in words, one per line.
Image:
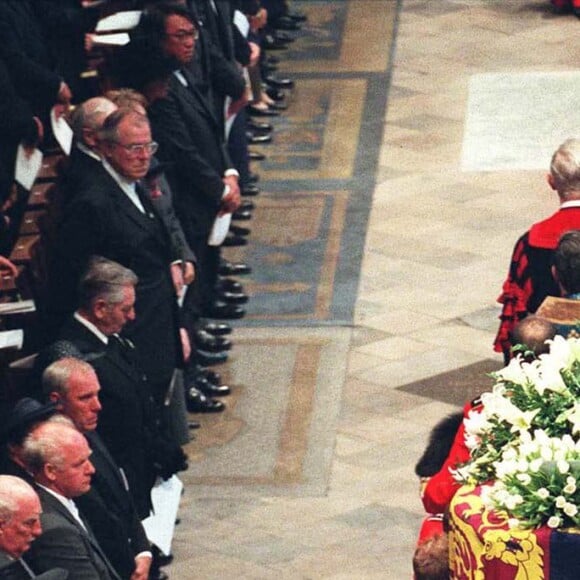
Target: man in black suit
column 57, row 456
column 130, row 424
column 202, row 177
column 73, row 386
column 112, row 217
column 19, row 527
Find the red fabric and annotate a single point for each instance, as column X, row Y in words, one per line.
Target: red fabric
column 518, row 287
column 546, row 234
column 481, row 544
column 431, row 526
column 442, row 486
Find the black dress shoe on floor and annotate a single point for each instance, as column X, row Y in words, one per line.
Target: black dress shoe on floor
column 254, row 139
column 227, row 268
column 246, row 203
column 209, row 374
column 211, row 343
column 193, row 425
column 229, row 285
column 197, row 402
column 217, row 328
column 209, row 359
column 259, row 126
column 233, row 241
column 256, row 156
column 210, row 389
column 262, row 112
column 269, row 42
column 282, row 36
column 255, row 177
column 239, row 230
column 279, row 83
column 286, row 23
column 223, row 310
column 275, row 94
column 296, row 15
column 278, row 106
column 271, row 59
column 250, row 190
column 242, row 215
column 233, row 297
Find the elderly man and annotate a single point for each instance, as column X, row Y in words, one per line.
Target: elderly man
column 130, row 424
column 86, row 120
column 112, row 217
column 19, row 527
column 57, row 456
column 529, row 279
column 73, row 386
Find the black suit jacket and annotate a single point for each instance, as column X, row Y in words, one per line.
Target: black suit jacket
column 110, row 511
column 66, row 544
column 16, row 570
column 190, row 138
column 128, row 422
column 102, row 220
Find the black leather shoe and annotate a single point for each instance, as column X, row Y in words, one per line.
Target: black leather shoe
column 254, row 139
column 255, row 177
column 210, row 375
column 286, row 23
column 275, row 94
column 211, row 343
column 242, row 215
column 223, row 310
column 229, row 285
column 257, row 112
column 250, row 190
column 217, row 328
column 269, row 42
column 232, row 241
column 256, row 156
column 279, row 83
column 227, row 268
column 278, row 106
column 197, row 402
column 296, row 15
column 193, row 425
column 271, row 59
column 284, row 37
column 233, row 297
column 210, row 389
column 239, row 230
column 209, row 359
column 246, row 203
column 259, row 126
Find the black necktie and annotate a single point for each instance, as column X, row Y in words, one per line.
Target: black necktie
column 144, row 199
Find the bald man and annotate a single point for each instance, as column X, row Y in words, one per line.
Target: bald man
column 19, row 526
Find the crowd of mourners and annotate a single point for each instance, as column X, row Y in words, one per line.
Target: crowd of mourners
column 130, row 288
column 540, row 299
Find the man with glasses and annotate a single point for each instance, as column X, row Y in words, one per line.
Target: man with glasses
column 202, row 177
column 112, row 217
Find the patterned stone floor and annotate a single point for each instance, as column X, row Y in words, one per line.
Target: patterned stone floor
column 437, row 249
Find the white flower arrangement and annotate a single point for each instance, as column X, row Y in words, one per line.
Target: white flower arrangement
column 525, row 439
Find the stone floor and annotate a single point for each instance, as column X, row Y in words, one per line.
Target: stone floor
column 438, row 246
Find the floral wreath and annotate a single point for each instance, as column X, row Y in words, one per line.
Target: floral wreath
column 524, row 439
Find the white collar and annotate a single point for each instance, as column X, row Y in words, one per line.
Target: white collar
column 91, row 327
